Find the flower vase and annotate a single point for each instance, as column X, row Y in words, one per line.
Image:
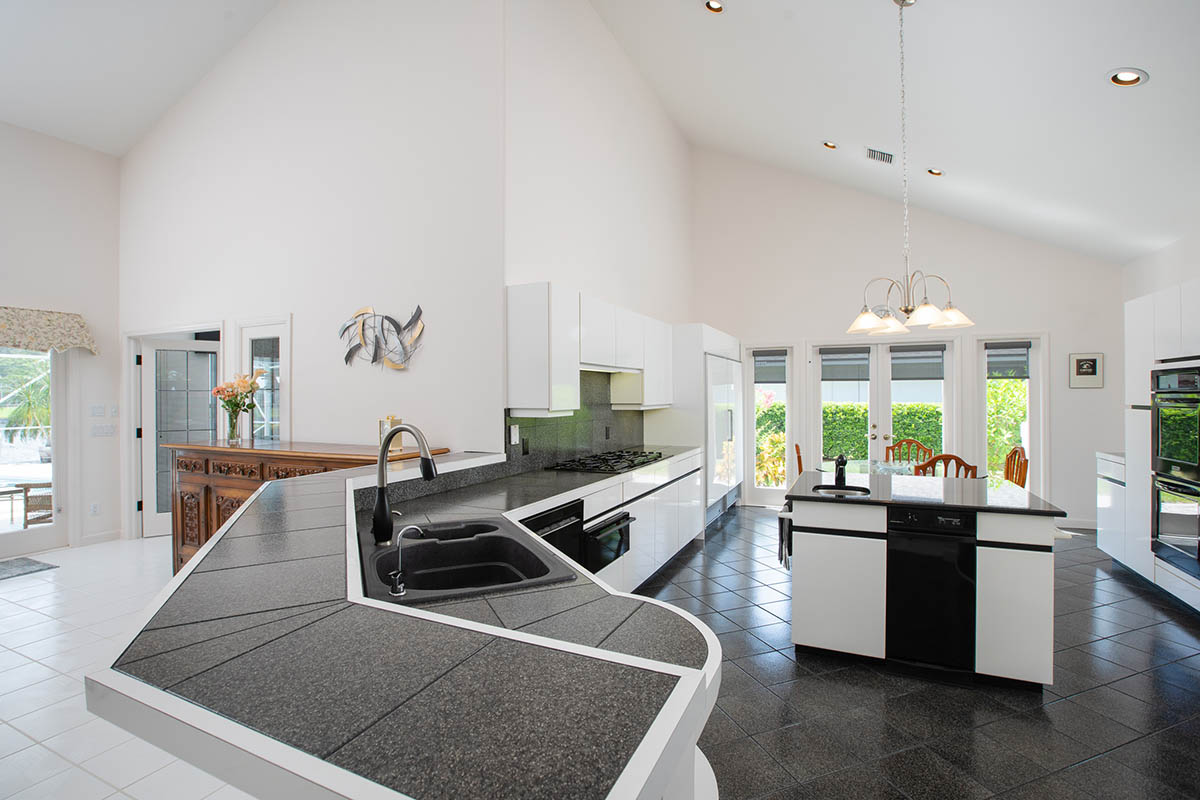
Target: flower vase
column 235, row 428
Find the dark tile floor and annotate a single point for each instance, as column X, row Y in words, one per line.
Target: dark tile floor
column 1122, row 719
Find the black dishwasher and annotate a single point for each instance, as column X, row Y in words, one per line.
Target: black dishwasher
column 931, row 587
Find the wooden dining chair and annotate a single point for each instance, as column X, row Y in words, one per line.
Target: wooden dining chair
column 799, row 461
column 907, row 450
column 1016, row 466
column 961, row 468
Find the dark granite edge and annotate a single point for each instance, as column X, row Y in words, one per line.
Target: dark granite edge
column 1053, row 511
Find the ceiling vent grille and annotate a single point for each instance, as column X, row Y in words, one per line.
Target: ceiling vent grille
column 879, row 155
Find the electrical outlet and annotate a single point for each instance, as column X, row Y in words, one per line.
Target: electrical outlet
column 607, row 432
column 97, row 410
column 514, row 434
column 524, row 447
column 94, row 509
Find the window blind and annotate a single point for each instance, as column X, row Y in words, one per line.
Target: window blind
column 845, row 363
column 1007, row 359
column 918, row 362
column 770, row 366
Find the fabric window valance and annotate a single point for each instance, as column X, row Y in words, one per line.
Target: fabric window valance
column 34, row 329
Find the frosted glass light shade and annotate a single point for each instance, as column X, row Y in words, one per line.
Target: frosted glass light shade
column 891, row 325
column 953, row 318
column 925, row 314
column 865, row 322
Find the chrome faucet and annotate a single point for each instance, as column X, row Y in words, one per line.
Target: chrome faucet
column 397, row 588
column 381, row 519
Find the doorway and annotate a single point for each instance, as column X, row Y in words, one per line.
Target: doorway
column 177, row 377
column 32, row 394
column 771, row 441
column 868, row 397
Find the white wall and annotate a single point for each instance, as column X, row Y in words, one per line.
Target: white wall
column 597, row 192
column 58, row 251
column 341, row 155
column 1169, row 266
column 781, row 259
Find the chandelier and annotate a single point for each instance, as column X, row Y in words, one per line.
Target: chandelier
column 883, row 319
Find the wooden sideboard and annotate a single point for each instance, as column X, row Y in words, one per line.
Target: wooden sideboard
column 211, row 480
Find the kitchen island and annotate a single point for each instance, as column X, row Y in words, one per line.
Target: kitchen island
column 952, row 574
column 263, row 663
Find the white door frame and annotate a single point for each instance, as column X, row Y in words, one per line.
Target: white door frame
column 265, row 327
column 131, row 460
column 751, row 493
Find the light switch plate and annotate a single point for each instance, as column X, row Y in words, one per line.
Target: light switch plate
column 514, row 434
column 97, row 410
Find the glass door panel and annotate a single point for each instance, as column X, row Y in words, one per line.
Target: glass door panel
column 29, row 508
column 917, row 401
column 770, row 442
column 1007, row 402
column 845, row 424
column 177, row 407
column 264, row 355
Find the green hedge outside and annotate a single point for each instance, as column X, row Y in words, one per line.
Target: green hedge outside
column 845, row 427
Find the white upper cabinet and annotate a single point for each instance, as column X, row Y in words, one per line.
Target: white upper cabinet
column 543, row 350
column 1190, row 325
column 597, row 332
column 630, row 337
column 1139, row 350
column 1168, row 333
column 653, row 387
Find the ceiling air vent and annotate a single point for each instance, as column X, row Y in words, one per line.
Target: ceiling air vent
column 879, row 155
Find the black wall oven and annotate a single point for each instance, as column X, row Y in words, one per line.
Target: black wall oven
column 1175, row 437
column 1175, row 521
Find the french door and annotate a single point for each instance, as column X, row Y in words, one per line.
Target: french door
column 770, row 440
column 177, row 379
column 868, row 397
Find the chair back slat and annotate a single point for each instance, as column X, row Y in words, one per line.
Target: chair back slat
column 799, row 462
column 961, row 468
column 907, row 450
column 1016, row 466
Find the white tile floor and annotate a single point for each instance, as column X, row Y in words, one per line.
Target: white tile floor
column 55, row 627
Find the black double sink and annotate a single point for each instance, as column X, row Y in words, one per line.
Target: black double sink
column 451, row 560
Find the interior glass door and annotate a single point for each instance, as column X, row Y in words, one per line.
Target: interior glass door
column 30, row 503
column 178, row 377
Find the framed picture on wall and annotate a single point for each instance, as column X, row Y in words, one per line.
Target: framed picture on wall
column 1087, row 370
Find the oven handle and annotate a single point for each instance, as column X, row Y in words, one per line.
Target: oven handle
column 1176, row 488
column 610, row 525
column 558, row 526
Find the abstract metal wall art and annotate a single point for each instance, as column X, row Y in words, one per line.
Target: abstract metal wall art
column 381, row 339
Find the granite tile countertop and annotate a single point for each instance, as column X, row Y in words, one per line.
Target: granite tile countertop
column 261, row 632
column 990, row 495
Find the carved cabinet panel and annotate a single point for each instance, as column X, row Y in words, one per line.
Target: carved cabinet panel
column 251, row 470
column 226, row 500
column 191, row 517
column 277, row 472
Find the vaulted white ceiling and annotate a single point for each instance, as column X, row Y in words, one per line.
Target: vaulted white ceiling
column 1010, row 99
column 100, row 72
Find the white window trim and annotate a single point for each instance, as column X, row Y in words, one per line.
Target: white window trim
column 265, row 327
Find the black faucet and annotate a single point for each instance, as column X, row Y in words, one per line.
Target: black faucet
column 381, row 519
column 839, row 477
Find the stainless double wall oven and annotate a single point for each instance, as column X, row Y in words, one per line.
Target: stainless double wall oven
column 1175, row 459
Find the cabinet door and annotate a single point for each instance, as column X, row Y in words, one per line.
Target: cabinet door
column 1168, row 322
column 666, row 524
column 639, row 561
column 691, row 508
column 1014, row 614
column 1139, row 350
column 1190, row 326
column 1110, row 517
column 630, row 338
column 191, row 518
column 597, row 331
column 226, row 499
column 657, row 369
column 1138, row 555
column 614, row 574
column 839, row 593
column 564, row 349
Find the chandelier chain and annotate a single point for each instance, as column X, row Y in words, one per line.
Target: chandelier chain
column 904, row 150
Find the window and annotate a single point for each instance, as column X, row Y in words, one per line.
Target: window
column 845, row 404
column 918, row 394
column 770, row 418
column 266, row 345
column 26, row 474
column 264, row 355
column 1007, row 393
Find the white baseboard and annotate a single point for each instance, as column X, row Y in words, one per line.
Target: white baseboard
column 97, row 538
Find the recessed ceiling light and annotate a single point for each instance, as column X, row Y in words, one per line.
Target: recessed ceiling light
column 714, row 6
column 830, row 145
column 1128, row 76
column 937, row 173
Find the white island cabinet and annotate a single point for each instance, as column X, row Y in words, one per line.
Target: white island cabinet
column 950, row 573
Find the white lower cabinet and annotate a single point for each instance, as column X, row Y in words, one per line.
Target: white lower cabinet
column 1138, row 555
column 640, row 558
column 1110, row 516
column 839, row 592
column 666, row 524
column 691, row 507
column 1014, row 614
column 614, row 574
